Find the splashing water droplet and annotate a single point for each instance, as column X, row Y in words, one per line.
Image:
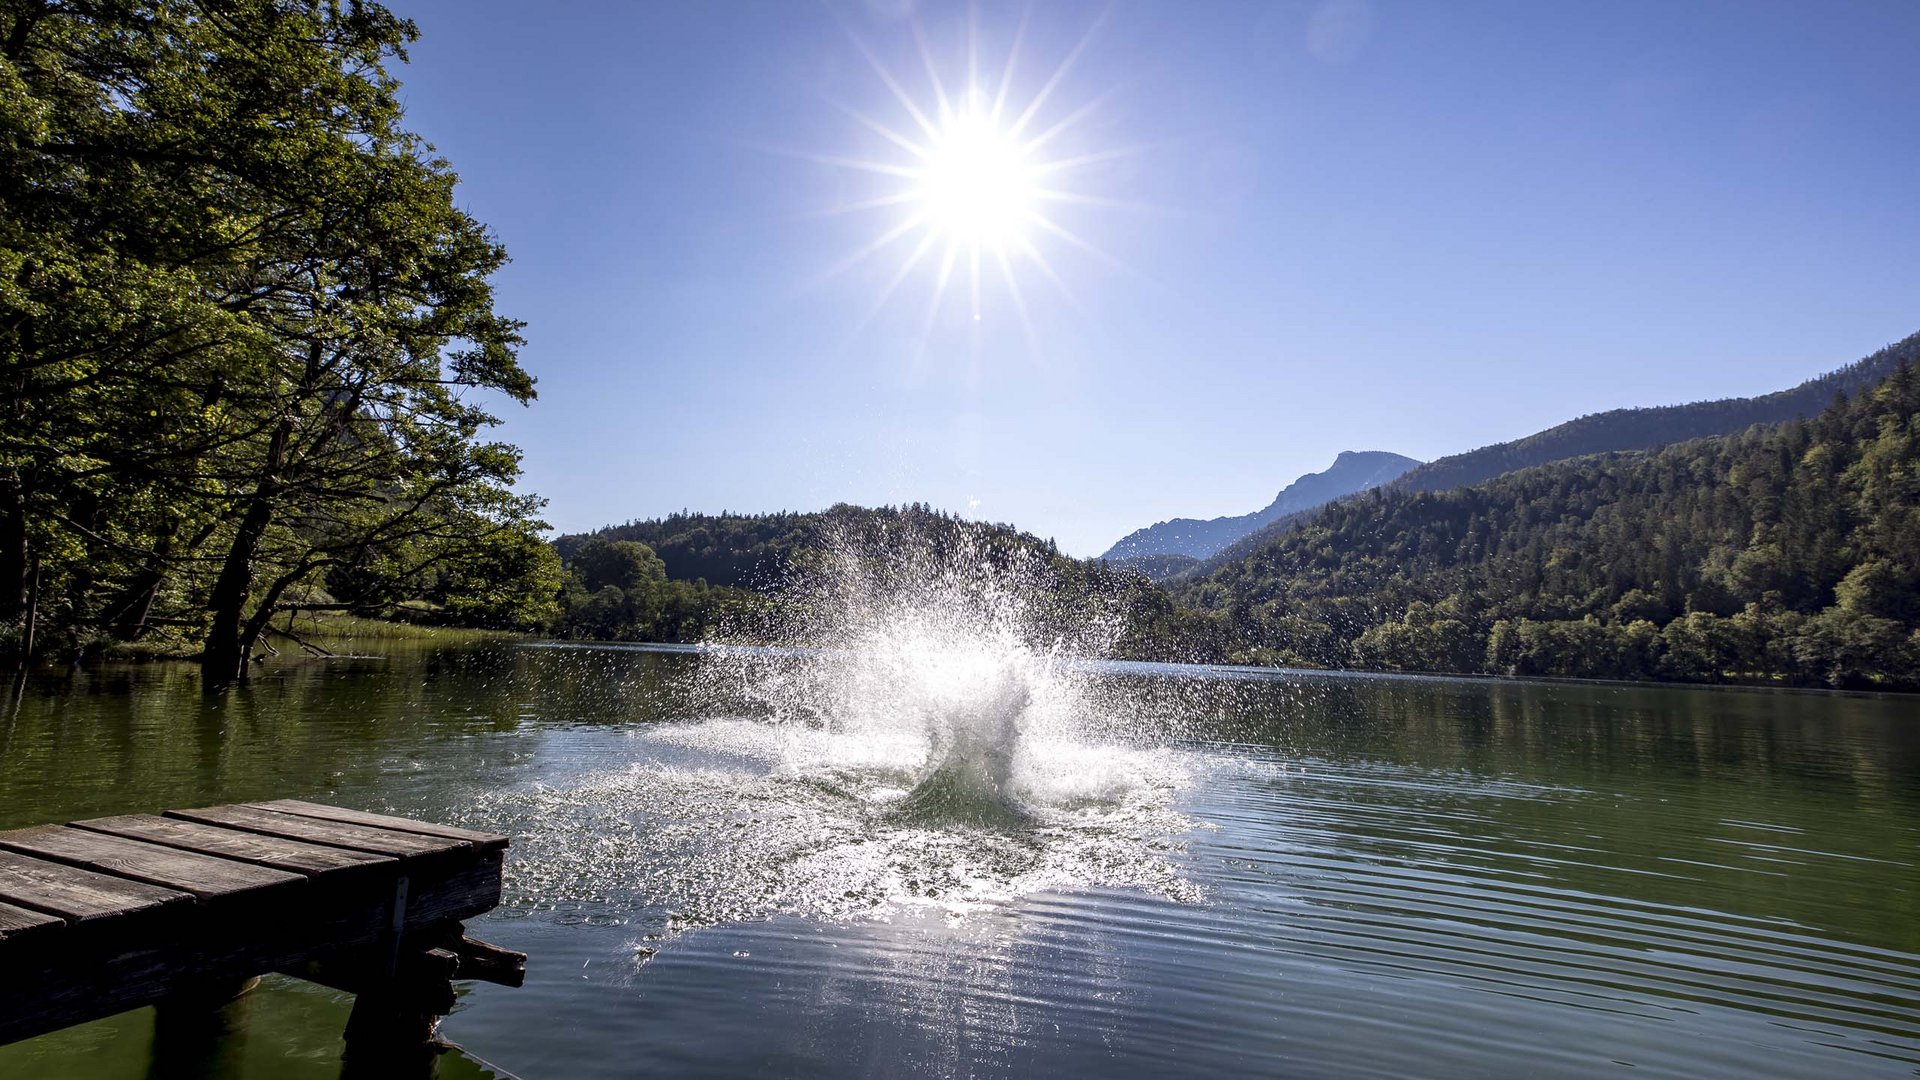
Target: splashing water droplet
column 917, row 722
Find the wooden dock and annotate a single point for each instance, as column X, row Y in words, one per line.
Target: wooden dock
column 184, row 909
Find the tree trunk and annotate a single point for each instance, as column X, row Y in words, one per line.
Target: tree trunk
column 13, row 549
column 223, row 660
column 127, row 615
column 263, row 614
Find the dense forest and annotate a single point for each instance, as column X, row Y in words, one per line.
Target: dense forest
column 722, row 549
column 1649, row 428
column 242, row 323
column 689, row 577
column 683, row 578
column 1156, row 567
column 1615, row 430
column 1788, row 552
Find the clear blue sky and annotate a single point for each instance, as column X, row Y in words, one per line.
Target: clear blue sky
column 1418, row 227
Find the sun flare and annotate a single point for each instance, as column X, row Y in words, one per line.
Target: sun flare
column 977, row 189
column 974, row 179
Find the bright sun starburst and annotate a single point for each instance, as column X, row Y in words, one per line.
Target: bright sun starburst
column 974, row 180
column 976, row 188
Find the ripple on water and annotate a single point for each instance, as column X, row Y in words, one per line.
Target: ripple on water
column 1383, row 917
column 730, row 819
column 1453, row 880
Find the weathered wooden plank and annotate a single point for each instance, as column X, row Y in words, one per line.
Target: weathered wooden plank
column 76, row 895
column 19, row 924
column 315, row 830
column 261, row 849
column 483, row 841
column 85, row 933
column 204, row 876
column 98, row 976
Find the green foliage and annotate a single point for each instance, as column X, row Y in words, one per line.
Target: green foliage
column 241, row 317
column 1646, row 429
column 1155, row 567
column 735, row 550
column 508, row 579
column 621, row 564
column 689, row 577
column 761, row 550
column 618, row 589
column 1789, row 553
column 1422, row 639
column 1609, row 432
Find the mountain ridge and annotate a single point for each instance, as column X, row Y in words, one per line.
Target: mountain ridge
column 1611, row 431
column 1784, row 553
column 1352, row 471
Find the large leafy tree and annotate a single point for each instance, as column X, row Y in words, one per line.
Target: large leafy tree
column 242, row 321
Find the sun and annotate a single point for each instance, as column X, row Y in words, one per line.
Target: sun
column 974, row 179
column 977, row 189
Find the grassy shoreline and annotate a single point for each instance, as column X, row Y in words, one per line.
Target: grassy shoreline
column 331, row 627
column 324, row 630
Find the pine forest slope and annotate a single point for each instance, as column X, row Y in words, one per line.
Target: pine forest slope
column 1787, row 552
column 1614, row 431
column 1647, row 428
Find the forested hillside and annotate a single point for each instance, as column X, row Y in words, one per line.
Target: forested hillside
column 1157, row 567
column 1645, row 429
column 691, row 577
column 721, row 549
column 1353, row 470
column 687, row 577
column 244, row 324
column 1789, row 552
column 1615, row 430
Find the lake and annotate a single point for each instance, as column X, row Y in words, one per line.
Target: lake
column 1231, row 873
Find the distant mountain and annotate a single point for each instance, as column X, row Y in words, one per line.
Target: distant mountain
column 1614, row 431
column 1352, row 471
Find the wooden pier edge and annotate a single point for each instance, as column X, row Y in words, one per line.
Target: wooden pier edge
column 184, row 910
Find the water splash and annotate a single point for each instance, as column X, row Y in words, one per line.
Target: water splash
column 957, row 654
column 916, row 723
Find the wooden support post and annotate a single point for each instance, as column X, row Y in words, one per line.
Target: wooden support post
column 402, row 987
column 394, row 1028
column 199, row 1027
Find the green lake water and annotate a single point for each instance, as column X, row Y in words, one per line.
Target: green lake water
column 1244, row 874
